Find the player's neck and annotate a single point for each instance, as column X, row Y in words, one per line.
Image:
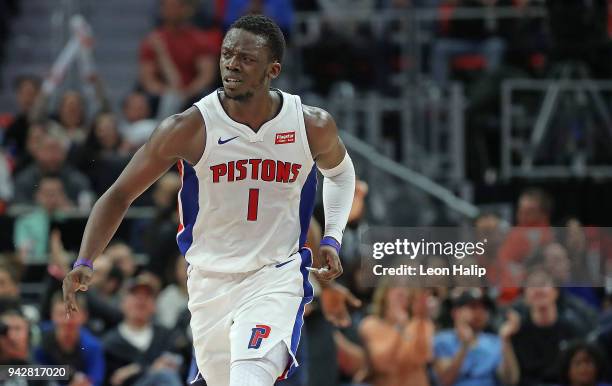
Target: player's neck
column 256, row 111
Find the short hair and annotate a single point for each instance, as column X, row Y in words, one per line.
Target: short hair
column 12, row 310
column 21, row 79
column 10, row 270
column 57, row 134
column 58, row 298
column 49, row 177
column 543, row 198
column 592, row 350
column 261, row 25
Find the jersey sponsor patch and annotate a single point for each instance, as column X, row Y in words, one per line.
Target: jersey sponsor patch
column 288, row 137
column 258, row 334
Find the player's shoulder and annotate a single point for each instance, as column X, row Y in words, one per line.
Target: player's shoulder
column 317, row 118
column 182, row 135
column 321, row 129
column 188, row 120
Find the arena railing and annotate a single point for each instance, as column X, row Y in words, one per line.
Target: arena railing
column 431, row 118
column 560, row 135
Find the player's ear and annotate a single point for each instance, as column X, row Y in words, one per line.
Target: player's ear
column 274, row 70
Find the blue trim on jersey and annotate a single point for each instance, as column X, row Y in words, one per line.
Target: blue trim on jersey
column 189, row 206
column 306, row 255
column 194, row 374
column 307, row 202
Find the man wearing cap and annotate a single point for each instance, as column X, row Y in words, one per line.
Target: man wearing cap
column 468, row 356
column 137, row 349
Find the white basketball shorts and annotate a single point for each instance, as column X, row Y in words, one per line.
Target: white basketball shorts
column 241, row 316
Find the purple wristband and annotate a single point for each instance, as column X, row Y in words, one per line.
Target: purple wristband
column 83, row 261
column 328, row 240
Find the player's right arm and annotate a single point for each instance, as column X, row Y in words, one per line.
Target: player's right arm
column 181, row 136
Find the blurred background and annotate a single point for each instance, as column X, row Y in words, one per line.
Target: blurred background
column 483, row 113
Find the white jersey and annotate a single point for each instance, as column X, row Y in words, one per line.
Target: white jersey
column 247, row 203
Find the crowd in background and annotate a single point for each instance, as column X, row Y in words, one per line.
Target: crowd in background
column 133, row 328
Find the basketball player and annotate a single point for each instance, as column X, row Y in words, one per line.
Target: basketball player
column 247, row 156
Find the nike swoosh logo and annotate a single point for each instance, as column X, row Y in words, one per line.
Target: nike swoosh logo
column 222, row 141
column 281, row 264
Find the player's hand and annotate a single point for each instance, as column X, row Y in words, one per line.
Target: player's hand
column 76, row 280
column 331, row 267
column 334, row 300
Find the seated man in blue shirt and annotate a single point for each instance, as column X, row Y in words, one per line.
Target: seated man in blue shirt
column 67, row 343
column 468, row 356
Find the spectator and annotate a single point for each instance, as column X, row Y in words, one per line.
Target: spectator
column 11, row 294
column 574, row 303
column 15, row 343
column 121, row 256
column 489, row 226
column 525, row 36
column 557, row 263
column 15, row 346
column 177, row 60
column 543, row 331
column 582, row 364
column 108, row 279
column 31, row 235
column 158, row 235
column 172, row 301
column 71, row 115
column 581, row 298
column 8, row 281
column 103, row 310
column 67, row 343
column 466, row 355
column 137, row 351
column 466, row 36
column 399, row 336
column 138, row 122
column 103, row 296
column 6, row 183
column 586, row 255
column 103, row 155
column 524, row 243
column 35, row 134
column 27, row 88
column 50, row 157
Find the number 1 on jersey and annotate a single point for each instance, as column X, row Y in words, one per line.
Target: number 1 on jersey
column 253, row 204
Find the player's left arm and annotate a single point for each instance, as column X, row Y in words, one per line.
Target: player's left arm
column 338, row 172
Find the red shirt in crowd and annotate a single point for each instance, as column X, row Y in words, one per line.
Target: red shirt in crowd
column 185, row 45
